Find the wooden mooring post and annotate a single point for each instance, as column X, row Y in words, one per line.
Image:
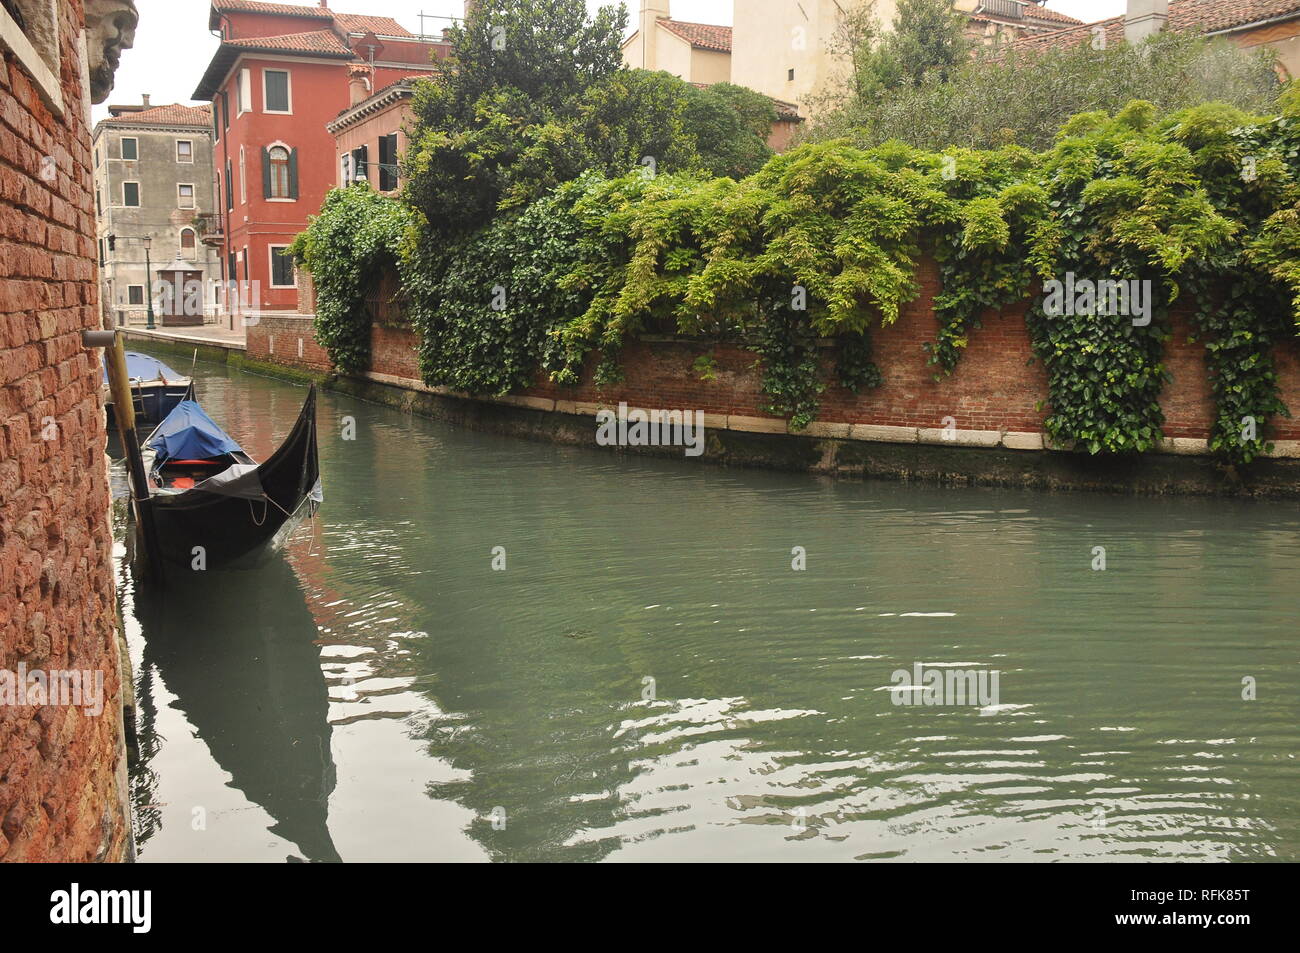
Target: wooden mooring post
column 119, row 384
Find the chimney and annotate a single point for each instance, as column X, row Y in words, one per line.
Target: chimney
column 1144, row 18
column 145, row 99
column 358, row 84
column 651, row 10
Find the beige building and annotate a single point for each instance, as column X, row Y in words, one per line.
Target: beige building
column 696, row 52
column 784, row 47
column 153, row 185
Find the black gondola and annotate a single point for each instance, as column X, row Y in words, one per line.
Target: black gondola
column 212, row 504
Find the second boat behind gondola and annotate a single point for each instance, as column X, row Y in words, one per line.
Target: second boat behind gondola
column 213, row 505
column 156, row 389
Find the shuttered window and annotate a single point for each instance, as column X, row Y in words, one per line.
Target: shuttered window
column 276, row 90
column 280, row 173
column 388, row 163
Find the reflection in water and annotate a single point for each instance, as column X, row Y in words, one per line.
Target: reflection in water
column 649, row 679
column 237, row 651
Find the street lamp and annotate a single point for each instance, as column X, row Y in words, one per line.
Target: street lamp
column 148, row 279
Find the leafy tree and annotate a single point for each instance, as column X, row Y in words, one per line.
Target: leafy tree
column 929, row 37
column 1005, row 97
column 491, row 125
column 636, row 115
column 549, row 50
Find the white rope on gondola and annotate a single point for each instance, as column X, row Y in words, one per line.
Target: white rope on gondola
column 266, row 499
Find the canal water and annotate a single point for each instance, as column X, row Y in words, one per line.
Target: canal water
column 649, row 678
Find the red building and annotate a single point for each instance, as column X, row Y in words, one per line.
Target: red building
column 280, row 75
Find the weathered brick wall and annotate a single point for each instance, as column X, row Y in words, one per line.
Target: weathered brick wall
column 392, row 351
column 59, row 793
column 997, row 385
column 286, row 339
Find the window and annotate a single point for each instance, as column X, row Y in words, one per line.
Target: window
column 790, row 77
column 103, row 260
column 279, row 173
column 388, row 162
column 216, row 120
column 243, row 178
column 282, row 275
column 131, row 194
column 99, row 205
column 184, row 150
column 135, row 294
column 361, row 164
column 225, row 111
column 187, row 239
column 130, row 148
column 185, row 196
column 218, row 202
column 245, row 90
column 275, row 91
column 98, row 160
column 230, row 187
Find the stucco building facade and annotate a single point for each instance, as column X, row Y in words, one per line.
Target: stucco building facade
column 788, row 50
column 281, row 74
column 153, row 179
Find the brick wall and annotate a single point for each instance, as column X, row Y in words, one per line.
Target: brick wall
column 286, row 339
column 60, row 799
column 997, row 385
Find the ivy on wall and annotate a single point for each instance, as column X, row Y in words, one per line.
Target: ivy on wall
column 357, row 233
column 823, row 242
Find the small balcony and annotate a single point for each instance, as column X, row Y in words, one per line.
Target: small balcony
column 1006, row 9
column 212, row 231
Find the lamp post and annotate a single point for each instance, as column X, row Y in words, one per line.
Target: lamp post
column 148, row 280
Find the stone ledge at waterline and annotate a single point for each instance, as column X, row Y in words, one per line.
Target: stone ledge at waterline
column 973, row 458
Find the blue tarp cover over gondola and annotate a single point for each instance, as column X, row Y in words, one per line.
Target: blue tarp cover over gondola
column 190, row 434
column 142, row 367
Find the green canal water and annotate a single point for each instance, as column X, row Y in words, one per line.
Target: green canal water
column 649, row 679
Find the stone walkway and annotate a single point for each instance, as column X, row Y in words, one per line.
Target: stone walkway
column 213, row 335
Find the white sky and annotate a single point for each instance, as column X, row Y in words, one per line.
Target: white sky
column 173, row 45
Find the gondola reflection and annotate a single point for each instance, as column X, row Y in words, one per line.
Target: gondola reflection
column 237, row 650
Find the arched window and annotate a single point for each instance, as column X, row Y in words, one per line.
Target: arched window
column 279, row 161
column 187, row 239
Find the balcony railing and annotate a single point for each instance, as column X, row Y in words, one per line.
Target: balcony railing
column 1007, row 9
column 211, row 229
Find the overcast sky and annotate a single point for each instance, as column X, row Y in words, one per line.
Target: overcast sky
column 173, row 45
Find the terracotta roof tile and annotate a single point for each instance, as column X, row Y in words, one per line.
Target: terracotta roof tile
column 380, row 26
column 1185, row 16
column 348, row 22
column 321, row 41
column 280, row 9
column 171, row 115
column 704, row 36
column 1040, row 12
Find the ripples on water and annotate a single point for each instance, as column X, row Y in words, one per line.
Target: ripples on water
column 390, row 696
